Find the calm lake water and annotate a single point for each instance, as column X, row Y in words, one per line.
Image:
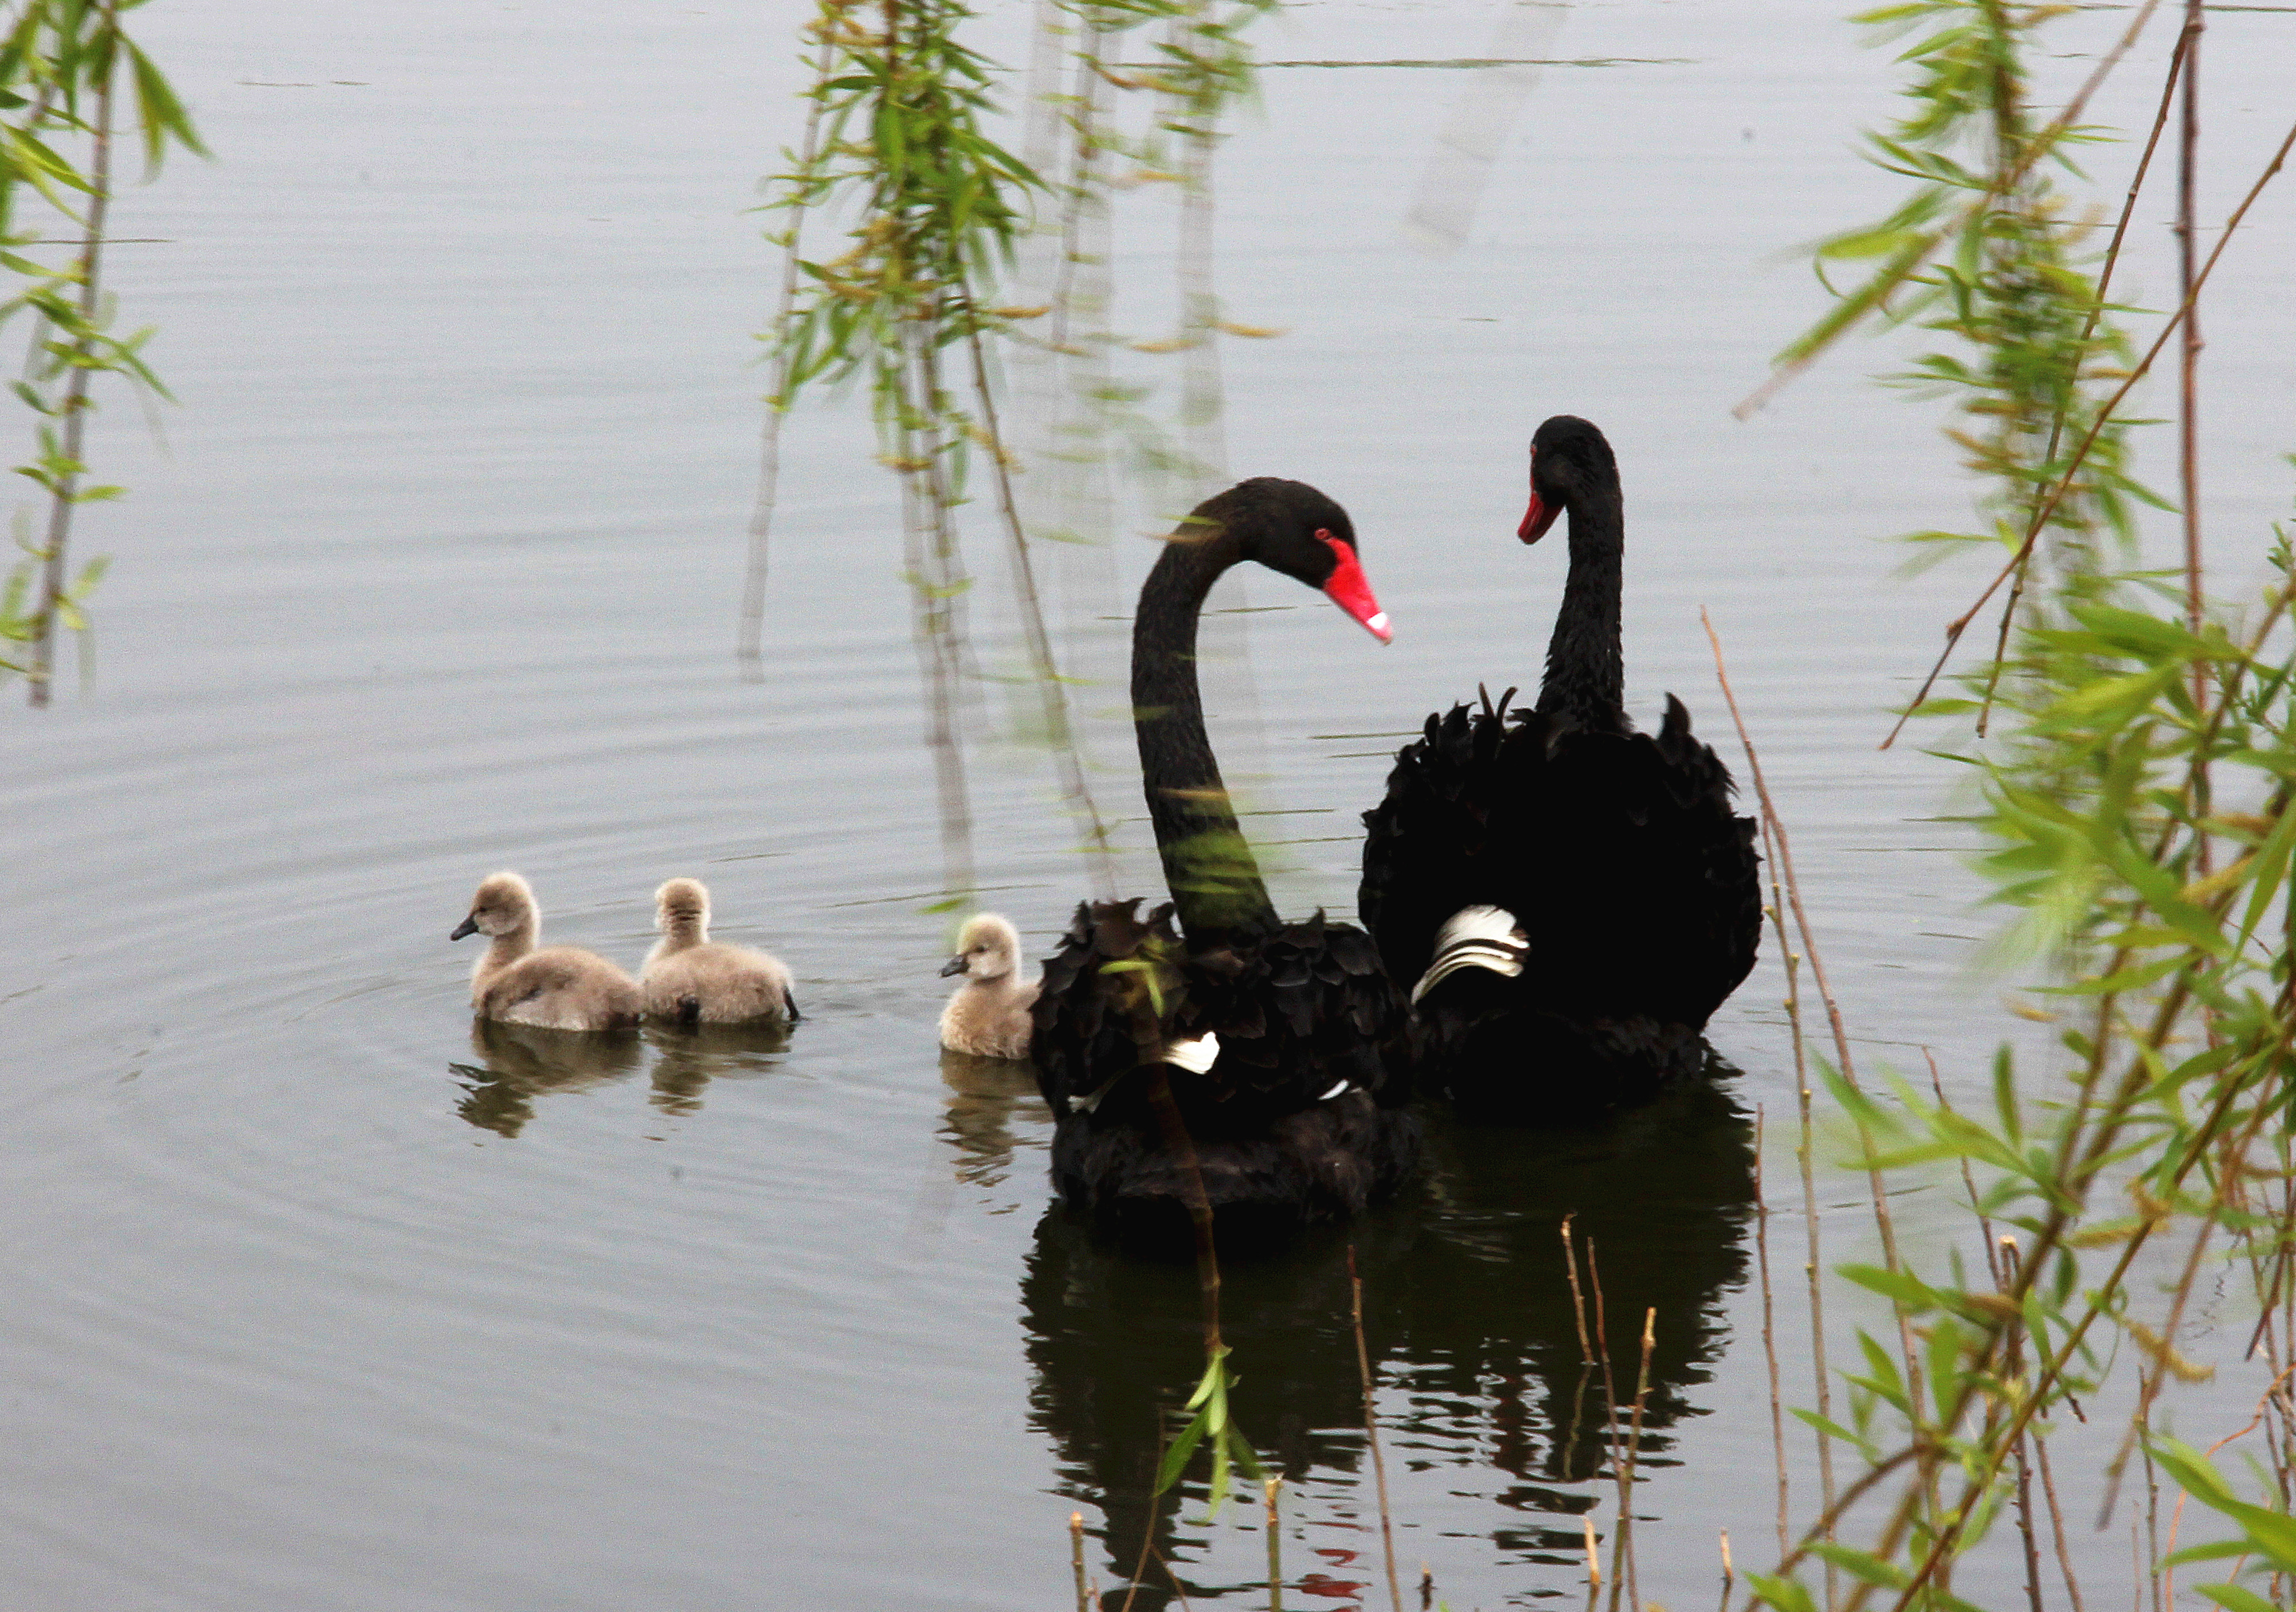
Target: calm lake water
column 316, row 1300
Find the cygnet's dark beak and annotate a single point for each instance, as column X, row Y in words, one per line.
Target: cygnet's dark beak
column 955, row 964
column 467, row 926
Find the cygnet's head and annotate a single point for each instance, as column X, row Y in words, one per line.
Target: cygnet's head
column 681, row 907
column 503, row 905
column 989, row 948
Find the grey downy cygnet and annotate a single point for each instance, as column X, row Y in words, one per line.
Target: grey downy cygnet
column 557, row 988
column 690, row 979
column 987, row 1015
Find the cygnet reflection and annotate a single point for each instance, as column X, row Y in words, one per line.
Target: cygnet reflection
column 518, row 1062
column 986, row 1096
column 686, row 1059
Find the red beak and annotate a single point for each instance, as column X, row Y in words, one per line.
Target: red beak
column 1537, row 519
column 1351, row 592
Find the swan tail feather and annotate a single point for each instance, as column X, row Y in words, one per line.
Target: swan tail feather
column 1480, row 936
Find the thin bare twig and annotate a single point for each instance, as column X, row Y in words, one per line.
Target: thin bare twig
column 1370, row 1433
column 2188, row 421
column 1781, row 875
column 1627, row 1474
column 1769, row 1353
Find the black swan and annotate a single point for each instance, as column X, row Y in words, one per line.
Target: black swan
column 1266, row 1058
column 1571, row 899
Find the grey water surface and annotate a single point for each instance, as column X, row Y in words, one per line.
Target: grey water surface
column 314, row 1299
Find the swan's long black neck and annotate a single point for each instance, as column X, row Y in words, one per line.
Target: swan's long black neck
column 1214, row 879
column 1586, row 672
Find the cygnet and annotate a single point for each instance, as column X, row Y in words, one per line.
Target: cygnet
column 558, row 988
column 988, row 1014
column 690, row 979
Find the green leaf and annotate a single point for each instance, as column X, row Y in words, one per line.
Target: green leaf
column 1860, row 1564
column 2234, row 1598
column 1785, row 1594
column 1176, row 1458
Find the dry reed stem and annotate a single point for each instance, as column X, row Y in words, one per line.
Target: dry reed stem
column 1630, row 1579
column 1772, row 831
column 1881, row 1217
column 1371, row 1433
column 1960, row 624
column 2064, row 119
column 1610, row 1422
column 1578, row 1299
column 2152, row 1530
column 2188, row 410
column 1969, row 1180
column 1585, row 1348
column 1594, row 1554
column 1917, row 1396
column 2024, row 1491
column 1769, row 1355
column 2057, row 1522
column 1076, row 1555
column 750, row 633
column 2188, row 455
column 1275, row 1486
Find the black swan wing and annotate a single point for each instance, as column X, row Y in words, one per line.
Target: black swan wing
column 1253, row 1029
column 1431, row 845
column 1635, row 882
column 1093, row 1023
column 1304, row 1015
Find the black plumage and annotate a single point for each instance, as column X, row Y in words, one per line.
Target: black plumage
column 1298, row 1115
column 1632, row 880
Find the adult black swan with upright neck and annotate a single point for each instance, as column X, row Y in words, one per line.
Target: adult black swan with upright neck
column 1264, row 1059
column 1568, row 898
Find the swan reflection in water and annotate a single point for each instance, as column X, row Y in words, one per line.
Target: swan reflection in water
column 1469, row 1320
column 985, row 1097
column 518, row 1063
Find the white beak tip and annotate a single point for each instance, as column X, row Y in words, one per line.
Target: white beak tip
column 1379, row 629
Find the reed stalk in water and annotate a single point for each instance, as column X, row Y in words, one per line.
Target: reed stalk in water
column 1371, row 1433
column 67, row 71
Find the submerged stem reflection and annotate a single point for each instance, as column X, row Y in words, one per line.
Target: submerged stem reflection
column 1468, row 1317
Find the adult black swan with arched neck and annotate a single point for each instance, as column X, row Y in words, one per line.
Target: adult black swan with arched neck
column 1264, row 1059
column 1569, row 900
